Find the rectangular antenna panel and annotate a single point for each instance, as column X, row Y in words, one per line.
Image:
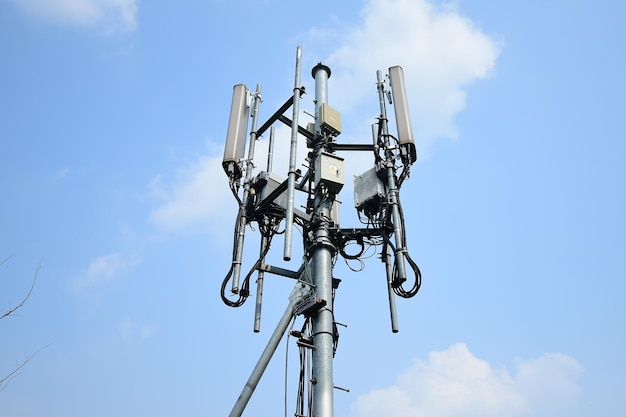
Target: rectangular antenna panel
column 401, row 109
column 237, row 131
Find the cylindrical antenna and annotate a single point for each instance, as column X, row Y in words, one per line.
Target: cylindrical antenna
column 270, row 149
column 259, row 287
column 375, row 131
column 241, row 227
column 264, row 242
column 291, row 180
column 392, row 299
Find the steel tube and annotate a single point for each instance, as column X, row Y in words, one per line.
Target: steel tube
column 296, row 295
column 322, row 251
column 241, row 227
column 321, row 73
column 323, row 330
column 259, row 289
column 270, row 150
column 392, row 299
column 392, row 189
column 291, row 187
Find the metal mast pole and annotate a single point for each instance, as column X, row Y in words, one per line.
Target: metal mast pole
column 321, row 253
column 296, row 296
column 243, row 220
column 391, row 185
column 292, row 159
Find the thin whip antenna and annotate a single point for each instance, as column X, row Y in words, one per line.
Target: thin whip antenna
column 291, row 185
column 270, row 151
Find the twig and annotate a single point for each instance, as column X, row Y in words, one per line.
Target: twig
column 5, row 380
column 6, row 259
column 30, row 291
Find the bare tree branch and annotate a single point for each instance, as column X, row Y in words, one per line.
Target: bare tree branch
column 5, row 380
column 30, row 291
column 6, row 259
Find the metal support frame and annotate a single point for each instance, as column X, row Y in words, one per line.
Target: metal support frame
column 392, row 189
column 313, row 294
column 242, row 219
column 291, row 187
column 296, row 296
column 322, row 252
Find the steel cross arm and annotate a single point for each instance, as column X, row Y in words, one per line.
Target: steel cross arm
column 272, row 196
column 286, row 120
column 299, row 291
column 278, row 115
column 333, row 146
column 282, row 187
column 275, row 116
column 281, row 271
column 360, row 231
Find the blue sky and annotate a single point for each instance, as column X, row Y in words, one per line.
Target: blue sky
column 113, row 118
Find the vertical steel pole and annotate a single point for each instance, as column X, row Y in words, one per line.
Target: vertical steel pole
column 296, row 295
column 392, row 299
column 392, row 188
column 259, row 289
column 264, row 243
column 241, row 228
column 270, row 149
column 322, row 252
column 291, row 184
column 321, row 73
column 386, row 257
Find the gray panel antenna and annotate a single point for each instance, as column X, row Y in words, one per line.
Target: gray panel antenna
column 401, row 110
column 237, row 132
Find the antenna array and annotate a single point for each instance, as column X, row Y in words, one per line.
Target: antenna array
column 268, row 200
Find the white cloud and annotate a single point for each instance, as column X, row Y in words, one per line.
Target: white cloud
column 131, row 330
column 196, row 200
column 549, row 382
column 103, row 269
column 454, row 383
column 63, row 173
column 441, row 53
column 107, row 16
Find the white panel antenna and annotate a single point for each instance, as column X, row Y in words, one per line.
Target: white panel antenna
column 237, row 132
column 403, row 117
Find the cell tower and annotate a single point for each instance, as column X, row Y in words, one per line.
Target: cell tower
column 267, row 199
